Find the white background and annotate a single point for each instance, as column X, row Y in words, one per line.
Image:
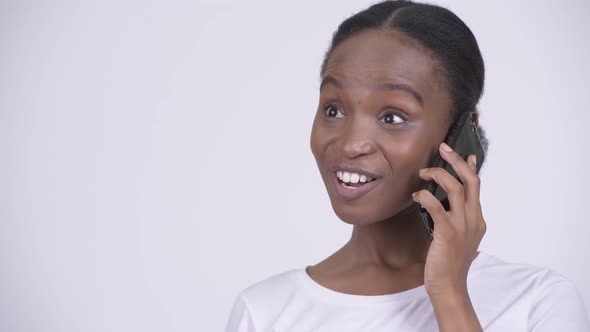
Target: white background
column 155, row 155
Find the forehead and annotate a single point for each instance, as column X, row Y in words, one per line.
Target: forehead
column 372, row 57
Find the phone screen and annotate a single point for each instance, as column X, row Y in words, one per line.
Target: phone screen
column 464, row 139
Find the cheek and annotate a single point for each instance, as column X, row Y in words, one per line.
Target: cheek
column 406, row 157
column 318, row 139
column 416, row 150
column 313, row 140
column 407, row 153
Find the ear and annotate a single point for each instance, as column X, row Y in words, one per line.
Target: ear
column 475, row 116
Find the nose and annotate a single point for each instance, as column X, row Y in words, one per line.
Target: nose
column 356, row 140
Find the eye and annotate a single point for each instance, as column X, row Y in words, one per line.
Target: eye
column 332, row 111
column 394, row 118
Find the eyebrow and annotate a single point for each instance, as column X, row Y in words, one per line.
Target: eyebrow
column 381, row 87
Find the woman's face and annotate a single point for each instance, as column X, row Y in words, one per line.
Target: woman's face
column 383, row 111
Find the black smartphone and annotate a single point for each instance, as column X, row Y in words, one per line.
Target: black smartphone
column 464, row 139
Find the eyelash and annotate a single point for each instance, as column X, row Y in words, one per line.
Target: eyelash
column 396, row 113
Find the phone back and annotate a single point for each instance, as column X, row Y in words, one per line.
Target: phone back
column 464, row 139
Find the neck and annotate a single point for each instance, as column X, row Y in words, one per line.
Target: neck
column 395, row 243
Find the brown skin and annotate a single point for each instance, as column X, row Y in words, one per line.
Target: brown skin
column 393, row 135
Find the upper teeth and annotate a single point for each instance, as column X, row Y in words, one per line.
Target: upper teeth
column 349, row 177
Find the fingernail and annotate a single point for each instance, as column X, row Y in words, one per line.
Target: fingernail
column 446, row 147
column 423, row 170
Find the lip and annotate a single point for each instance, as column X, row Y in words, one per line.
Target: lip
column 354, row 169
column 350, row 193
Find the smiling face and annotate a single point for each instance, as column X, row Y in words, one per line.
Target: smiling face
column 382, row 113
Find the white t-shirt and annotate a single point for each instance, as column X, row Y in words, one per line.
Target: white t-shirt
column 506, row 297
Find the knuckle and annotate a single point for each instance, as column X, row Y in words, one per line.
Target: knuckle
column 433, row 205
column 437, row 169
column 476, row 180
column 456, row 187
column 427, row 204
column 437, row 208
column 483, row 227
column 419, row 193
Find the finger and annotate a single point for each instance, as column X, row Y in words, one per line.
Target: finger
column 471, row 161
column 434, row 207
column 466, row 173
column 451, row 186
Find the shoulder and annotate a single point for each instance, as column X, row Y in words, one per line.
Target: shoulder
column 272, row 293
column 279, row 285
column 256, row 304
column 550, row 299
column 496, row 270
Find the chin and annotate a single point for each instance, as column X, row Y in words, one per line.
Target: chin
column 356, row 219
column 368, row 214
column 359, row 215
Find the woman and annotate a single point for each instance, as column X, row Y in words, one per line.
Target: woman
column 393, row 80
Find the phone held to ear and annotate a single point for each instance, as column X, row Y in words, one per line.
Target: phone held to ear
column 464, row 139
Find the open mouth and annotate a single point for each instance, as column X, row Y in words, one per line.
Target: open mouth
column 353, row 180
